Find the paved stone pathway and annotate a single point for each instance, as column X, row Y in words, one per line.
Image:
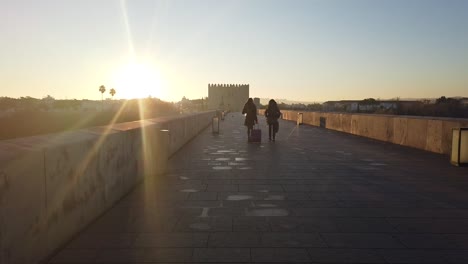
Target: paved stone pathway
column 313, row 196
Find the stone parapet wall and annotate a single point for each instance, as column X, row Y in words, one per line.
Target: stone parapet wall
column 426, row 133
column 53, row 186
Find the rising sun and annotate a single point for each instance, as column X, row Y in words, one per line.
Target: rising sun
column 137, row 80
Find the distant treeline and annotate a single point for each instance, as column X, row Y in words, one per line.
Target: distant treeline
column 441, row 107
column 34, row 117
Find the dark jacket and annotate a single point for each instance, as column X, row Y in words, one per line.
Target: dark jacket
column 251, row 117
column 272, row 115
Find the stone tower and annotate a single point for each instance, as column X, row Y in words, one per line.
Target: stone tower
column 227, row 97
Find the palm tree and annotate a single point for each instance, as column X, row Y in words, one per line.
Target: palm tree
column 102, row 89
column 112, row 92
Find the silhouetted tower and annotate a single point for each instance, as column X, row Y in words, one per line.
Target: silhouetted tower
column 228, row 97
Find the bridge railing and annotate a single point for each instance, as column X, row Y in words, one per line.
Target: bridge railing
column 426, row 133
column 53, row 186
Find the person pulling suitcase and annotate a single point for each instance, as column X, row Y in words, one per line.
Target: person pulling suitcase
column 250, row 111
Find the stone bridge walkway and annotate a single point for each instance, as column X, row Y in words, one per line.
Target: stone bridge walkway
column 313, row 196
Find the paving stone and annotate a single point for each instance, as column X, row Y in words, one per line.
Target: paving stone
column 237, row 204
column 425, row 213
column 412, row 256
column 456, row 256
column 145, row 255
column 340, row 255
column 303, row 224
column 203, row 196
column 219, row 255
column 296, row 188
column 391, row 204
column 204, row 224
column 199, row 204
column 337, row 212
column 187, row 187
column 363, row 225
column 234, row 239
column 222, row 188
column 252, row 224
column 286, row 255
column 98, row 241
column 227, row 212
column 429, row 225
column 274, row 204
column 75, row 256
column 142, row 224
column 322, row 196
column 260, row 188
column 168, row 196
column 295, row 240
column 315, row 204
column 361, row 240
column 241, row 196
column 218, row 181
column 145, row 225
column 437, row 241
column 289, row 196
column 171, row 240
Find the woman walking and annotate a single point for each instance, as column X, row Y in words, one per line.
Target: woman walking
column 251, row 116
column 272, row 114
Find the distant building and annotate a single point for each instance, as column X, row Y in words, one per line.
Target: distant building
column 89, row 105
column 190, row 106
column 464, row 101
column 343, row 105
column 257, row 102
column 366, row 105
column 228, row 97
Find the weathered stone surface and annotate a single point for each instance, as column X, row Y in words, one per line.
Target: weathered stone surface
column 22, row 203
column 52, row 186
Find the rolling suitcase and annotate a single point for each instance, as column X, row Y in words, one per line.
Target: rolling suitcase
column 256, row 135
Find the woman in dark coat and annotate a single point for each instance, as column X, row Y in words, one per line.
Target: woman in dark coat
column 251, row 116
column 272, row 114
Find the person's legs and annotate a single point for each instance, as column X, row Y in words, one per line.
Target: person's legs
column 275, row 130
column 249, row 131
column 270, row 128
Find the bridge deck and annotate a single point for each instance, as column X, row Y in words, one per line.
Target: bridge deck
column 314, row 195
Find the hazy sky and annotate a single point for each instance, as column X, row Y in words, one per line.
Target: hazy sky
column 299, row 50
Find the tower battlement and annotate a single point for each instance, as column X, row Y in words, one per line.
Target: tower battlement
column 227, row 85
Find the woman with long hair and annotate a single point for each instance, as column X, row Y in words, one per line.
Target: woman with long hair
column 250, row 111
column 272, row 114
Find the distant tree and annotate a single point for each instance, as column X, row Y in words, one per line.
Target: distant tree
column 445, row 100
column 112, row 92
column 449, row 107
column 369, row 101
column 102, row 89
column 8, row 103
column 314, row 107
column 441, row 100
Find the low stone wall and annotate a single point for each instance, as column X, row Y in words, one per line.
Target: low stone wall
column 53, row 186
column 427, row 133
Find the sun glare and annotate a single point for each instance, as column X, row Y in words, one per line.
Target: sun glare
column 137, row 80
